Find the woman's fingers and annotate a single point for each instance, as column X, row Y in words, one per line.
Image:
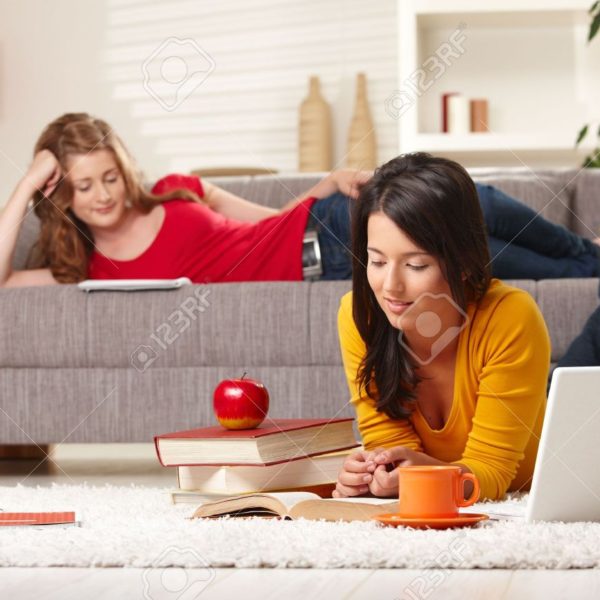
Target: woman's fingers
column 48, row 189
column 357, row 479
column 355, row 476
column 384, row 483
column 45, row 172
column 350, row 181
column 394, row 455
column 372, row 455
column 55, row 178
column 359, row 178
column 343, row 491
column 360, row 461
column 356, row 466
column 51, row 184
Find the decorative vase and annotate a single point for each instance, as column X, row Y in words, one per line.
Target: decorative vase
column 315, row 138
column 362, row 147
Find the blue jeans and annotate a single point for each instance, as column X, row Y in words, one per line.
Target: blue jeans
column 523, row 245
column 584, row 350
column 330, row 218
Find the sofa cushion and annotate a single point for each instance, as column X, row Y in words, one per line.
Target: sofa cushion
column 269, row 190
column 527, row 285
column 28, row 235
column 43, row 326
column 324, row 302
column 245, row 324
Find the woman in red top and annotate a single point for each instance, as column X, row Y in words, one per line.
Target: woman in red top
column 98, row 221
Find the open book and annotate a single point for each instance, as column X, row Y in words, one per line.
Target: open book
column 296, row 505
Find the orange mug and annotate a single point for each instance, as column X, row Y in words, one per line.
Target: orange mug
column 434, row 491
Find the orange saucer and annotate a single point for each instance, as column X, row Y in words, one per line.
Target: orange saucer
column 461, row 520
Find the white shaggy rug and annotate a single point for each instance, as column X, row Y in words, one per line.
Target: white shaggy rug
column 139, row 527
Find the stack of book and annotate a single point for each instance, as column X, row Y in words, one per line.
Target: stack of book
column 463, row 115
column 279, row 455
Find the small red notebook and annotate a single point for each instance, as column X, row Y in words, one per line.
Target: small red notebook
column 274, row 441
column 12, row 519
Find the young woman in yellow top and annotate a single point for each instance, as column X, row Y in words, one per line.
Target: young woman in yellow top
column 445, row 365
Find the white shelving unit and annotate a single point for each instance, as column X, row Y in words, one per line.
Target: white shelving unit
column 529, row 58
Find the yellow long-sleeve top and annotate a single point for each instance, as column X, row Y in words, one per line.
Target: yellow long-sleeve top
column 500, row 379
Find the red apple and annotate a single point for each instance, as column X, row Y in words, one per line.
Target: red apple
column 240, row 403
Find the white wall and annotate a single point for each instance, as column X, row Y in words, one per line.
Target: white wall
column 51, row 63
column 69, row 55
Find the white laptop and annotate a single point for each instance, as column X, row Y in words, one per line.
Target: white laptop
column 566, row 479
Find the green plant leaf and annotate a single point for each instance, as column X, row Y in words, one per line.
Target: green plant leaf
column 598, row 132
column 592, row 161
column 594, row 27
column 594, row 6
column 582, row 133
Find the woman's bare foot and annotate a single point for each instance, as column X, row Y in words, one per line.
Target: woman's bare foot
column 596, row 241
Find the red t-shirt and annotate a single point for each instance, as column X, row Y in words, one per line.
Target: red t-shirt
column 197, row 242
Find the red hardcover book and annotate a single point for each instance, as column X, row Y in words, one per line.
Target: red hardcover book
column 274, row 441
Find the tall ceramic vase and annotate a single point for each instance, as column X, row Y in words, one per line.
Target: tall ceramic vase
column 362, row 146
column 314, row 135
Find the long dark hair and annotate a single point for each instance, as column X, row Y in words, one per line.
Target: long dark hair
column 435, row 203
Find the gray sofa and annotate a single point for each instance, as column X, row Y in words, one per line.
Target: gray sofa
column 121, row 367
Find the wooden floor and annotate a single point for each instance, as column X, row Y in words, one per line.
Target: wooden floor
column 99, row 464
column 308, row 584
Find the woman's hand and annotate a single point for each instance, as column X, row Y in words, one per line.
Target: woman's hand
column 385, row 482
column 356, row 474
column 349, row 181
column 44, row 173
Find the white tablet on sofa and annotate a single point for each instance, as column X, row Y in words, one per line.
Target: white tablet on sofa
column 132, row 285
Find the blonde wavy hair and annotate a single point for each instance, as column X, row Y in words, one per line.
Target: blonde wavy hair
column 65, row 242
